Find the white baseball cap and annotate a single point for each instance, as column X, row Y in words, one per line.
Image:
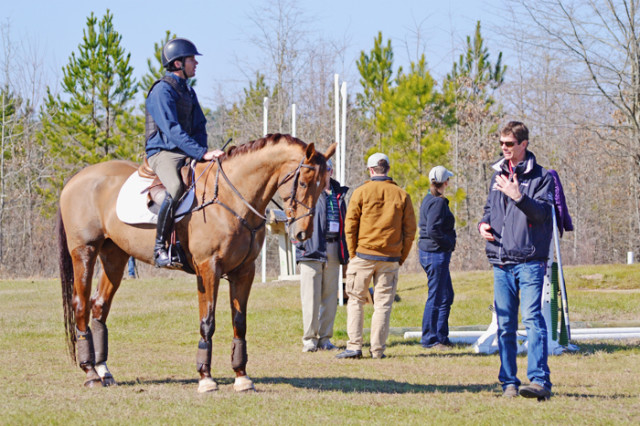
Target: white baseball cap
column 439, row 174
column 375, row 158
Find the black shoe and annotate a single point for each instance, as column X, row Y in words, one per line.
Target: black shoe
column 349, row 354
column 327, row 346
column 534, row 390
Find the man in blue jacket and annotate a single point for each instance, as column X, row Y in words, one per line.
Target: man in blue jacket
column 175, row 131
column 517, row 225
column 320, row 258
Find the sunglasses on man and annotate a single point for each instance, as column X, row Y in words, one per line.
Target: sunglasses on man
column 508, row 144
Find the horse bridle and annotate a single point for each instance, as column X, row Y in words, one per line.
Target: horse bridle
column 295, row 174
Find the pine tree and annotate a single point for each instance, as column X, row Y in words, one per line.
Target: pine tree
column 156, row 70
column 245, row 117
column 474, row 74
column 376, row 70
column 93, row 120
column 413, row 121
column 472, row 83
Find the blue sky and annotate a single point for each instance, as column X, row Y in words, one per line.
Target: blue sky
column 221, row 30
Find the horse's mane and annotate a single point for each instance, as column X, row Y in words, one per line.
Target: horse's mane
column 258, row 144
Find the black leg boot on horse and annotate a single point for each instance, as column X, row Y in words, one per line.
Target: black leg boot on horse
column 164, row 227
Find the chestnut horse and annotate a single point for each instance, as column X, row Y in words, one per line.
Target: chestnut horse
column 222, row 236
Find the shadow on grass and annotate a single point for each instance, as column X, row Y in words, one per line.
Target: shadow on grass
column 584, row 348
column 342, row 384
column 173, row 381
column 359, row 385
column 592, row 397
column 590, row 348
column 435, row 352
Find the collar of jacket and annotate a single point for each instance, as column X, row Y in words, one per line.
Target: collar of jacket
column 336, row 188
column 379, row 178
column 181, row 81
column 522, row 168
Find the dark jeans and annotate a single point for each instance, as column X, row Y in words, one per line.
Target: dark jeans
column 435, row 320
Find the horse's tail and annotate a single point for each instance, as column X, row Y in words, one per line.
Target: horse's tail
column 66, row 280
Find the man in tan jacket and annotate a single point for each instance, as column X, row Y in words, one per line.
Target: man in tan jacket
column 380, row 227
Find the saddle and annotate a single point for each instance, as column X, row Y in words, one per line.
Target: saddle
column 155, row 196
column 156, row 191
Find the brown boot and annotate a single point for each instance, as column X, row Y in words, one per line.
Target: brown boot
column 534, row 390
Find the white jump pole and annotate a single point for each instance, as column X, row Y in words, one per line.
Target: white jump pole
column 612, row 333
column 343, row 136
column 336, row 101
column 265, row 114
column 338, row 165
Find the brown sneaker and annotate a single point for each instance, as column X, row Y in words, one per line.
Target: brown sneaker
column 441, row 347
column 534, row 390
column 511, row 391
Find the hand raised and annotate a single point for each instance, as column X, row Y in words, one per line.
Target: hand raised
column 510, row 188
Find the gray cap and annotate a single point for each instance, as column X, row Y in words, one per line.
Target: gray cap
column 375, row 158
column 329, row 164
column 439, row 174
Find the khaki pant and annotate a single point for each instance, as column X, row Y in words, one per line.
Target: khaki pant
column 167, row 166
column 319, row 296
column 385, row 278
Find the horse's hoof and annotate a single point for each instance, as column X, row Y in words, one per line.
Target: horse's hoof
column 105, row 375
column 207, row 385
column 109, row 381
column 93, row 383
column 243, row 384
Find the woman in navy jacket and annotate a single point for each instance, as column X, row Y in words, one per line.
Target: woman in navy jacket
column 436, row 242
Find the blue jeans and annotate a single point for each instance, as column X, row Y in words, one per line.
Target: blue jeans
column 435, row 320
column 526, row 279
column 131, row 265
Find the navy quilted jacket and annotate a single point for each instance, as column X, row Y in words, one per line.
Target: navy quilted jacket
column 522, row 230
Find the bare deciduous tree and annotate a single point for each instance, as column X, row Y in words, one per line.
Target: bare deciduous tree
column 600, row 41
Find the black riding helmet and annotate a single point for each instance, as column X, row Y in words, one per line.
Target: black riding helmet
column 178, row 48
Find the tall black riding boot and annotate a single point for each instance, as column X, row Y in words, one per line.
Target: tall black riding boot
column 163, row 232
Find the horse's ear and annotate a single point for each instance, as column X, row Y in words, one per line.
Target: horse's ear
column 310, row 152
column 331, row 150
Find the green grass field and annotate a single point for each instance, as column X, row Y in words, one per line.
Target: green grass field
column 153, row 330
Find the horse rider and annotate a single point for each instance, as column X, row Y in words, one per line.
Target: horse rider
column 175, row 131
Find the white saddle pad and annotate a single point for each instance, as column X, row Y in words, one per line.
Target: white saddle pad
column 131, row 206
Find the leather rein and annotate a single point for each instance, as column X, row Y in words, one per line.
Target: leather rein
column 294, row 174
